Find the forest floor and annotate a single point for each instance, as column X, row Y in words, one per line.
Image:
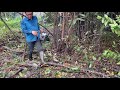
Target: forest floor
column 15, row 64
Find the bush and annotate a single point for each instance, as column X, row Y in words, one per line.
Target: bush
column 111, row 55
column 12, row 23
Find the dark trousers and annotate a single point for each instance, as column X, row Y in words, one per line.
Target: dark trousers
column 31, row 46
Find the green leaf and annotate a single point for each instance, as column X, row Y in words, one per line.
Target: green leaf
column 99, row 58
column 80, row 19
column 75, row 20
column 99, row 17
column 58, row 74
column 111, row 21
column 118, row 33
column 90, row 65
column 93, row 57
column 115, row 22
column 78, row 49
column 75, row 68
column 112, row 25
column 114, row 42
column 118, row 73
column 118, row 63
column 115, row 56
column 83, row 15
column 119, row 26
column 103, row 20
column 47, row 71
column 105, row 52
column 105, row 16
column 106, row 23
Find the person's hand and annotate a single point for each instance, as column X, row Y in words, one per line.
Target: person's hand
column 35, row 33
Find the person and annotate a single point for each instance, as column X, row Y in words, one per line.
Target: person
column 32, row 32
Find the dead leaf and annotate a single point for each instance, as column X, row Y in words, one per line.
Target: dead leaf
column 76, row 62
column 66, row 64
column 64, row 73
column 110, row 73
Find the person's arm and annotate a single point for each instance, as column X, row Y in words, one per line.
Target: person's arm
column 39, row 27
column 24, row 28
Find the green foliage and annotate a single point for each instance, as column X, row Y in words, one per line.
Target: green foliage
column 77, row 48
column 12, row 23
column 3, row 32
column 115, row 27
column 71, row 70
column 47, row 71
column 118, row 73
column 47, row 44
column 111, row 55
column 114, row 24
column 76, row 19
column 49, row 17
column 81, row 18
column 58, row 74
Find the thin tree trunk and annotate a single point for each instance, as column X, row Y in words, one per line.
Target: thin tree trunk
column 63, row 26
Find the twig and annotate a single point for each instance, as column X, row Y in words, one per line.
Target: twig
column 16, row 73
column 54, row 64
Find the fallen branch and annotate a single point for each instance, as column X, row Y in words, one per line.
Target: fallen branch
column 52, row 64
column 81, row 70
column 61, row 65
column 94, row 72
column 16, row 73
